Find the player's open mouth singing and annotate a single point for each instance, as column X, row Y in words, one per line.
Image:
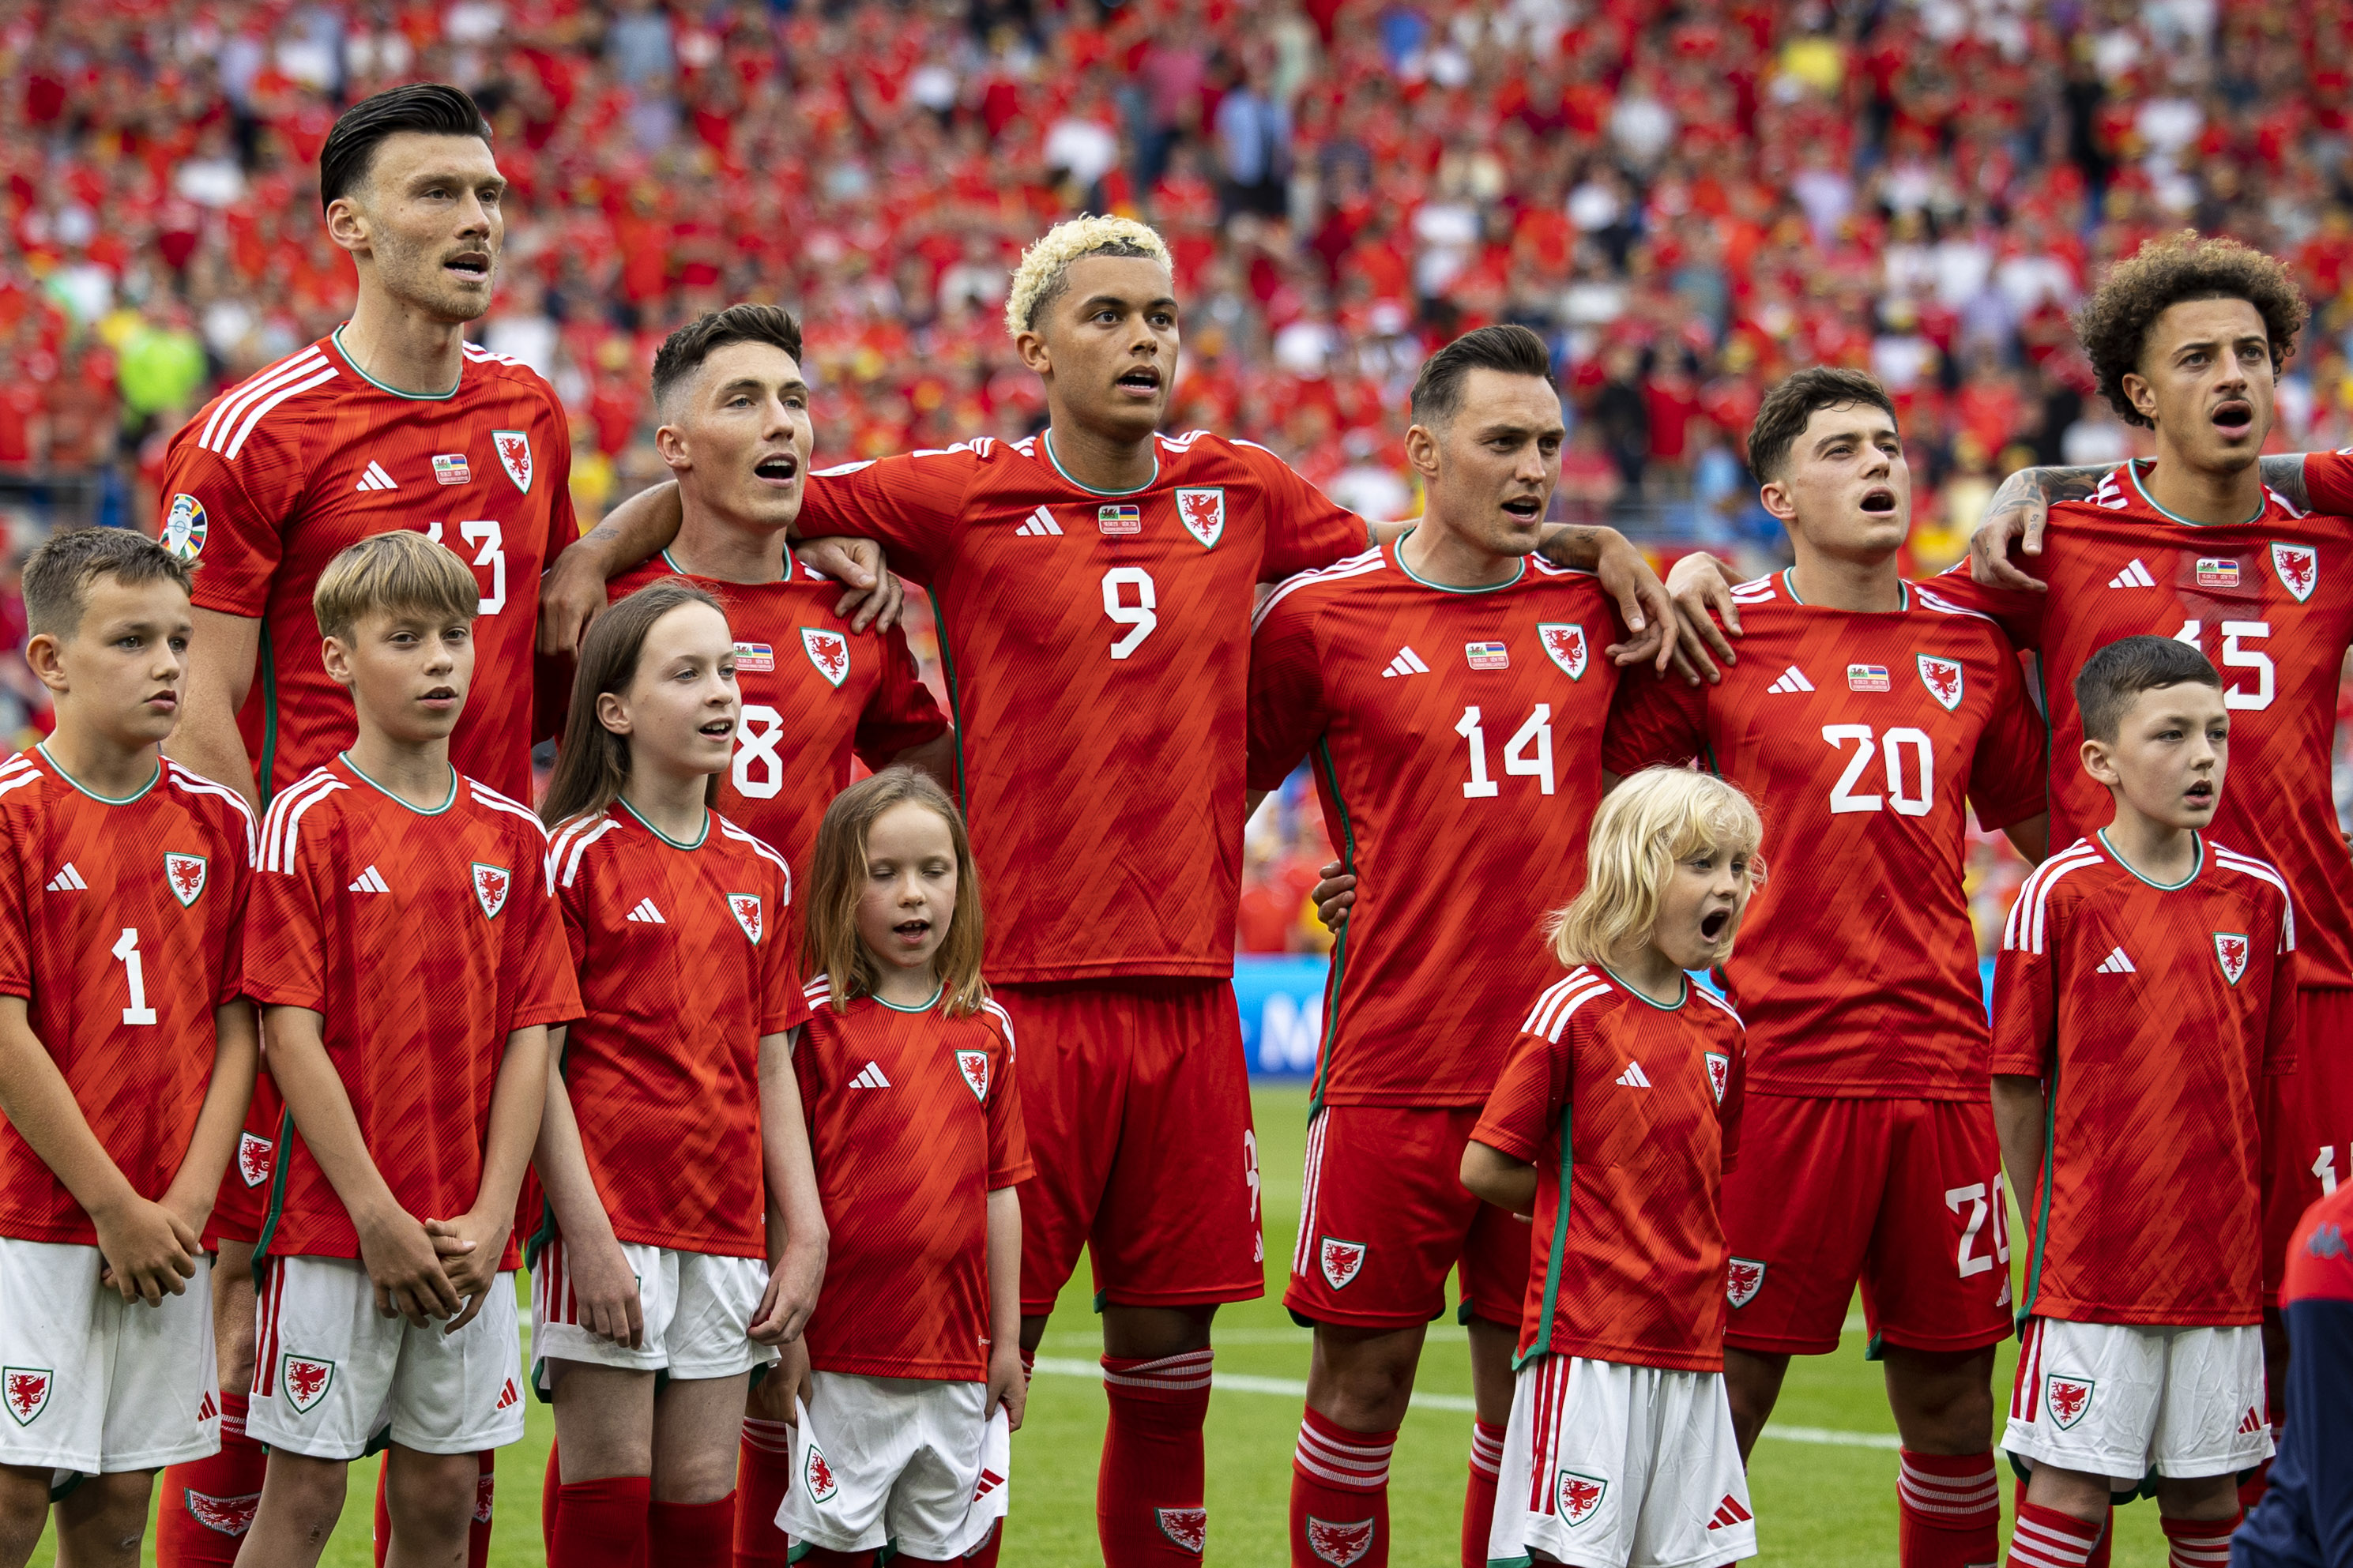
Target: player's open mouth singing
column 912, row 932
column 720, row 728
column 1527, row 509
column 1144, row 381
column 439, row 697
column 778, row 468
column 2234, row 417
column 2202, row 791
column 1713, row 924
column 474, row 265
column 1879, row 501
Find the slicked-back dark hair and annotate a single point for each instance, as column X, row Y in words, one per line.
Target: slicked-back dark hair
column 2127, row 666
column 2113, row 324
column 1781, row 418
column 57, row 575
column 426, row 108
column 683, row 352
column 1513, row 350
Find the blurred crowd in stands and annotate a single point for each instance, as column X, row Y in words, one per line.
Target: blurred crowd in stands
column 1689, row 199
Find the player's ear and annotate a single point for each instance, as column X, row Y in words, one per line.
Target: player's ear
column 2099, row 764
column 1421, row 448
column 45, row 653
column 2140, row 393
column 1775, row 498
column 347, row 224
column 336, row 656
column 1030, row 344
column 612, row 712
column 670, row 442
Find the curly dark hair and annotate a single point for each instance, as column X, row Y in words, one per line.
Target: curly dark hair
column 2115, row 322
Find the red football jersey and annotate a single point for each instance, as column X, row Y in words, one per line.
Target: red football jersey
column 121, row 925
column 1862, row 739
column 1630, row 1113
column 1097, row 658
column 2151, row 1014
column 2270, row 601
column 276, row 474
column 423, row 939
column 1456, row 737
column 914, row 1118
column 683, row 967
column 815, row 694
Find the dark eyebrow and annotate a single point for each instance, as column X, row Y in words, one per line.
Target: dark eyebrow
column 754, row 384
column 1522, row 432
column 1165, row 302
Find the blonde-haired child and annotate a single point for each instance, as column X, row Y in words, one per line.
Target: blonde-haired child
column 913, row 1377
column 1623, row 1092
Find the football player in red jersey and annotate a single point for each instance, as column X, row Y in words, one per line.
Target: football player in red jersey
column 1616, row 1113
column 408, row 954
column 392, row 421
column 672, row 1120
column 2145, row 990
column 909, row 1381
column 2187, row 338
column 1114, row 569
column 816, row 690
column 1448, row 691
column 127, row 1050
column 1873, row 716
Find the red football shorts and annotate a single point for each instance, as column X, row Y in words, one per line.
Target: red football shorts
column 1902, row 1194
column 1136, row 1098
column 1383, row 1218
column 2308, row 1122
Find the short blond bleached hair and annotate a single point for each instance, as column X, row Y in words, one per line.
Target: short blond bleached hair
column 1038, row 281
column 401, row 569
column 1648, row 825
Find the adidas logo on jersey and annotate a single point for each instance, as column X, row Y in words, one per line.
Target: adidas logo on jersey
column 1792, row 679
column 871, row 1077
column 1633, row 1077
column 375, row 479
column 645, row 915
column 67, row 880
column 507, row 1397
column 1039, row 524
column 2116, row 964
column 1729, row 1512
column 370, row 881
column 2250, row 1422
column 1407, row 662
column 2134, row 575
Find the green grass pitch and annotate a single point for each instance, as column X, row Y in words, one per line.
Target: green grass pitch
column 1819, row 1504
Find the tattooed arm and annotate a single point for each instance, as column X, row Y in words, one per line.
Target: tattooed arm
column 2021, row 507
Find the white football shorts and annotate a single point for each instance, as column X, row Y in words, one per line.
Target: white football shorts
column 2119, row 1401
column 698, row 1309
column 332, row 1377
column 93, row 1385
column 908, row 1462
column 1610, row 1466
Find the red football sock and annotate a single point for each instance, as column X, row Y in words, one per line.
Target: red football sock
column 1148, row 1507
column 1340, row 1495
column 2199, row 1542
column 2099, row 1557
column 1951, row 1507
column 602, row 1524
column 2045, row 1538
column 381, row 1536
column 486, row 1487
column 551, row 1492
column 1478, row 1500
column 764, row 1473
column 693, row 1534
column 208, row 1503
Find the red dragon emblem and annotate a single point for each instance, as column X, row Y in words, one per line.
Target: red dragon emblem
column 2068, row 1398
column 2231, row 952
column 490, row 883
column 227, row 1515
column 184, row 874
column 2298, row 569
column 1203, row 514
column 253, row 1157
column 1187, row 1527
column 1580, row 1496
column 27, row 1389
column 485, row 1489
column 1342, row 1261
column 1339, row 1544
column 822, row 1482
column 306, row 1381
column 1743, row 1277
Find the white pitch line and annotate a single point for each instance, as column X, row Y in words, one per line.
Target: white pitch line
column 1288, row 1388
